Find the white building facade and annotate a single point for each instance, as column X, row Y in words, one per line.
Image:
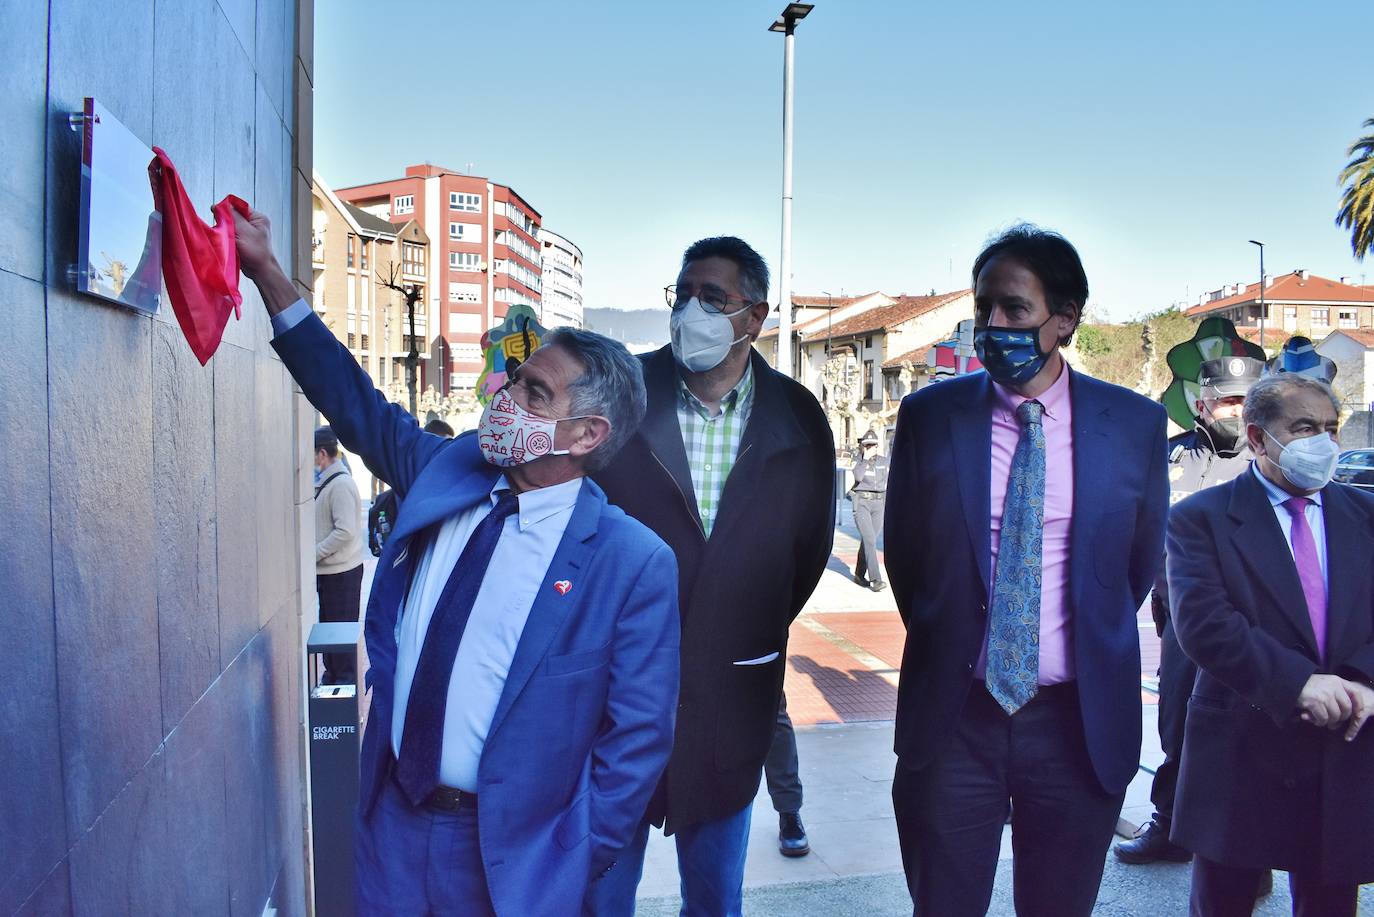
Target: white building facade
column 562, row 276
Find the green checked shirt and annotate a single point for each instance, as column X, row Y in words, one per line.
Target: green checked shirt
column 712, row 443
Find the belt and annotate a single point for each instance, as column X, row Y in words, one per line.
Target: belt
column 870, row 494
column 443, row 798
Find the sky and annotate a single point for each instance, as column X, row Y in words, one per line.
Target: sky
column 1159, row 138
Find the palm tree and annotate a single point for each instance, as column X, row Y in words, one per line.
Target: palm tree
column 1357, row 200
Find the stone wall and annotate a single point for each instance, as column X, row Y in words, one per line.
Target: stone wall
column 154, row 510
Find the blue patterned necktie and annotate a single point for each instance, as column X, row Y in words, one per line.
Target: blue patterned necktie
column 422, row 738
column 1013, row 671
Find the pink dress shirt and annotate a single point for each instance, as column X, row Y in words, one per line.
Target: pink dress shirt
column 1056, row 626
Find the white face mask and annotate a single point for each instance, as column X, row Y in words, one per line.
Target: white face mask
column 509, row 435
column 702, row 339
column 1308, row 463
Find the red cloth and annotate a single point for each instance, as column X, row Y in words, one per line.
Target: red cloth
column 200, row 263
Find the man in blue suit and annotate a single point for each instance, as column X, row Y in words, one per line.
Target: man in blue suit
column 522, row 632
column 1025, row 526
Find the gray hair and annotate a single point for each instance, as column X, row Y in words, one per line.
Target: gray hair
column 1264, row 402
column 753, row 270
column 611, row 386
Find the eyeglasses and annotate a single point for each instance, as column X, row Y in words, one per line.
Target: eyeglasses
column 712, row 300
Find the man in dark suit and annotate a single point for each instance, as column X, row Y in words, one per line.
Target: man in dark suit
column 1025, row 526
column 1271, row 590
column 734, row 468
column 522, row 632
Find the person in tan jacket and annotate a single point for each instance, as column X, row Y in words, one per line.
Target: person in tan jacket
column 338, row 549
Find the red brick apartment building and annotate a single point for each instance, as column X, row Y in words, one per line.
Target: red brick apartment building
column 484, row 257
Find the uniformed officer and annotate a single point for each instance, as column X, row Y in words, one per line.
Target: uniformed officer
column 1213, row 452
column 869, row 495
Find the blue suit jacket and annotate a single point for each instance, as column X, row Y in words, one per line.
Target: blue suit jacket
column 938, row 544
column 584, row 726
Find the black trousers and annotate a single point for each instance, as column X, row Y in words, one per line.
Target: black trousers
column 950, row 814
column 1229, row 891
column 1176, row 676
column 868, row 517
column 340, row 600
column 780, row 767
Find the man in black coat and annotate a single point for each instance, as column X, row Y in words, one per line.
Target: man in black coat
column 733, row 467
column 1271, row 592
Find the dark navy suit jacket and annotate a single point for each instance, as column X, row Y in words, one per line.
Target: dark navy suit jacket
column 937, row 536
column 1257, row 786
column 584, row 727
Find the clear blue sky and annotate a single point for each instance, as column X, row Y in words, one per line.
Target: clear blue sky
column 1158, row 137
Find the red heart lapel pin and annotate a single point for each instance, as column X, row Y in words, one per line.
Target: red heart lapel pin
column 563, row 586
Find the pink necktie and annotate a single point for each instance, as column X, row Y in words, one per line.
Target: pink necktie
column 1309, row 569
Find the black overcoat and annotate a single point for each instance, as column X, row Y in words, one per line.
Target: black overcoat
column 1257, row 786
column 738, row 590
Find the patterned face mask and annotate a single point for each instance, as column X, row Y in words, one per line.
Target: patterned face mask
column 509, row 435
column 1012, row 356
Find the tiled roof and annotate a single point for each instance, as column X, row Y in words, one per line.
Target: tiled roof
column 1363, row 336
column 904, row 309
column 837, row 302
column 1273, row 337
column 912, row 356
column 1292, row 288
column 371, row 222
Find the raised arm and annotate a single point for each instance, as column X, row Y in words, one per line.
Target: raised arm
column 389, row 440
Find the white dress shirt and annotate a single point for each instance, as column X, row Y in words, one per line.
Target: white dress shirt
column 518, row 565
column 1316, row 520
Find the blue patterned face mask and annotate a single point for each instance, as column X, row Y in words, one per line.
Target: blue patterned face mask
column 1012, row 356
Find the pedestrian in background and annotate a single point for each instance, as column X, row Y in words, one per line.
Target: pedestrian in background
column 338, row 550
column 1214, row 452
column 781, row 771
column 869, row 498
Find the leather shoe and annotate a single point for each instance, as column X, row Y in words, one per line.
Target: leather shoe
column 862, row 581
column 1151, row 844
column 877, row 587
column 792, row 840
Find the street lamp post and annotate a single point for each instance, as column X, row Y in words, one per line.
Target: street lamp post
column 1261, row 295
column 787, row 25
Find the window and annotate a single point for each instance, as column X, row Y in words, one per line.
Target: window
column 364, row 342
column 872, row 379
column 465, row 232
column 352, row 241
column 352, row 340
column 1321, row 316
column 464, row 292
column 363, row 265
column 412, row 258
column 463, row 380
column 1345, row 318
column 366, row 297
column 472, row 203
column 464, row 323
column 464, row 261
column 404, row 203
column 466, row 353
column 1290, row 313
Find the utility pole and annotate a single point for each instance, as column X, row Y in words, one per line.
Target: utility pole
column 787, row 25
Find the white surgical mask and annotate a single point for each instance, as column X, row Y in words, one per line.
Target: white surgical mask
column 509, row 435
column 701, row 338
column 1308, row 463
